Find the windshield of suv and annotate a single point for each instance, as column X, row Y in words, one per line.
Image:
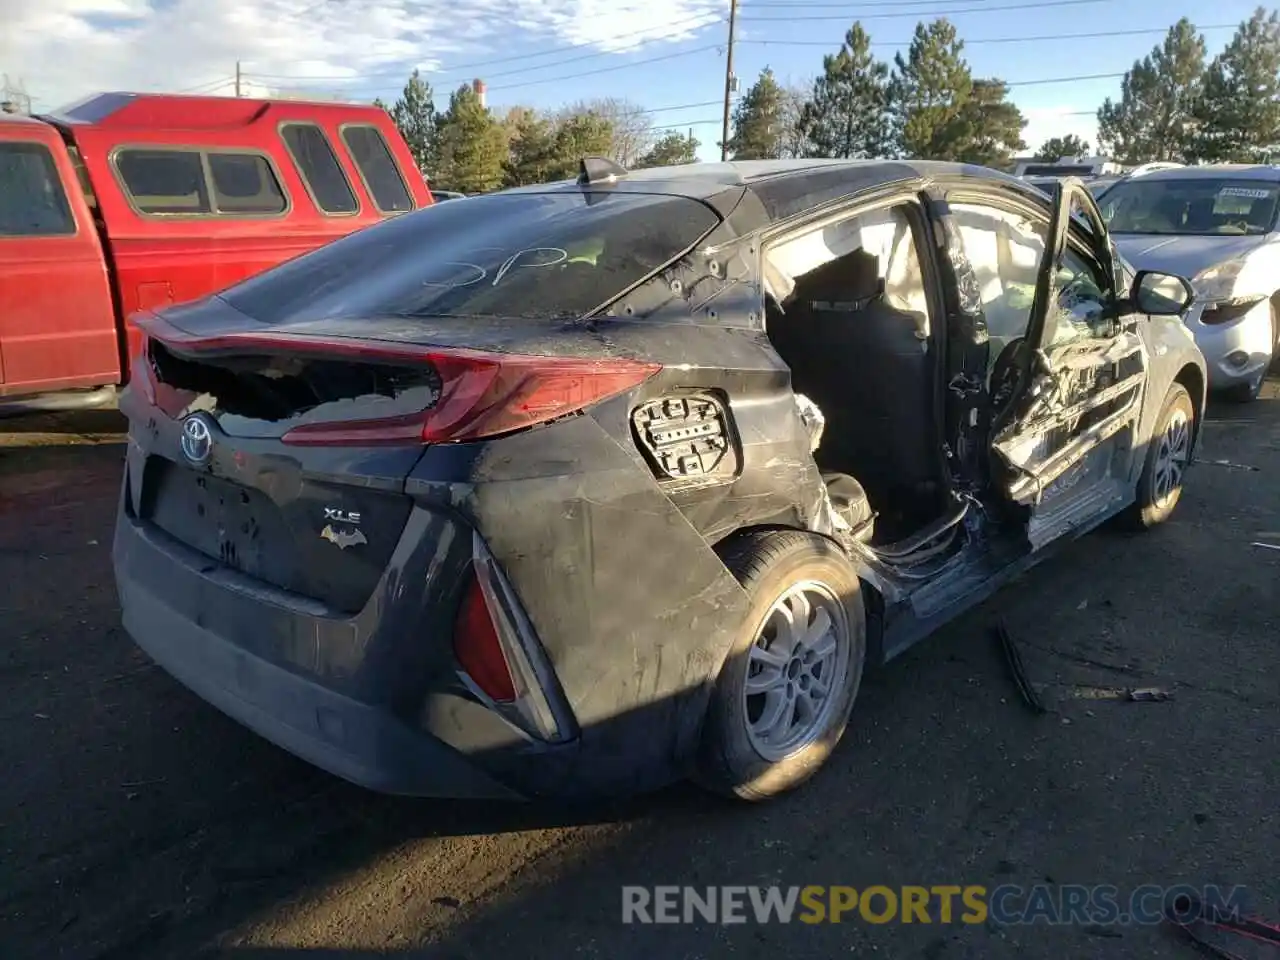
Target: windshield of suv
column 534, row 255
column 1197, row 206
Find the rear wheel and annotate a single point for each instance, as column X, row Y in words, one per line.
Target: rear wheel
column 1168, row 453
column 783, row 698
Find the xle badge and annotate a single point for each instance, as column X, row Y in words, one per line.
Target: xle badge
column 342, row 538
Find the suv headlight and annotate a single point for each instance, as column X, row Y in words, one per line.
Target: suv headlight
column 1224, row 311
column 1216, row 282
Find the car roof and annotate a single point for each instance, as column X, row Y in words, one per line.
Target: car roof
column 171, row 111
column 1216, row 171
column 20, row 120
column 784, row 187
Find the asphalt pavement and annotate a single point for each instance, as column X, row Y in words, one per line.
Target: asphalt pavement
column 136, row 822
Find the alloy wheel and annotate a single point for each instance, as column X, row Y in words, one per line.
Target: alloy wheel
column 796, row 670
column 1172, row 454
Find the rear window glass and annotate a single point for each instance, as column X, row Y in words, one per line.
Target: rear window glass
column 245, row 183
column 516, row 255
column 378, row 167
column 319, row 167
column 33, row 202
column 164, row 181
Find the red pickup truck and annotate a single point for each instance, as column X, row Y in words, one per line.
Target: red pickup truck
column 128, row 201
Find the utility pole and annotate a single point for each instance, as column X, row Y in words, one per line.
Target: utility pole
column 14, row 97
column 238, row 79
column 728, row 81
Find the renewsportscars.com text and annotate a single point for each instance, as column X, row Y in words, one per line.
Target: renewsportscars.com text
column 1006, row 905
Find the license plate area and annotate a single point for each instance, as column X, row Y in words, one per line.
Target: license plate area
column 235, row 525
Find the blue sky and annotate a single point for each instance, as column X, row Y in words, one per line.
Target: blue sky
column 667, row 55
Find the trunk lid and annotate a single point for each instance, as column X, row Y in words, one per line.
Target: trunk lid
column 284, row 448
column 319, row 522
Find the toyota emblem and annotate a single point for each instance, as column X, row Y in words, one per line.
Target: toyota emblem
column 197, row 439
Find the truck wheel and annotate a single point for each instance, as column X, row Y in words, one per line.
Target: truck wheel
column 783, row 697
column 1168, row 453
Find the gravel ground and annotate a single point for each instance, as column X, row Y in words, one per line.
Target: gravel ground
column 138, row 823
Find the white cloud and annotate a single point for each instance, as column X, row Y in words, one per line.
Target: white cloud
column 65, row 49
column 1046, row 122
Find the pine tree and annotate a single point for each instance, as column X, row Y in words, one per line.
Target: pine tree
column 532, row 156
column 757, row 121
column 471, row 144
column 1057, row 147
column 580, row 135
column 415, row 116
column 671, row 150
column 845, row 115
column 928, row 92
column 1239, row 110
column 1155, row 118
column 989, row 126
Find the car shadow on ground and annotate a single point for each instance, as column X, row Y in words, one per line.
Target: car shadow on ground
column 947, row 776
column 205, row 834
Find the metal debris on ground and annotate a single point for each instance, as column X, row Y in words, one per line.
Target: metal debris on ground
column 1232, row 466
column 1133, row 694
column 1265, row 546
column 1016, row 669
column 1187, row 915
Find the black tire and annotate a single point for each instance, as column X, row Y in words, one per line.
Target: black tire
column 1148, row 510
column 769, row 564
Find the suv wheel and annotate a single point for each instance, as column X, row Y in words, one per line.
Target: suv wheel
column 784, row 695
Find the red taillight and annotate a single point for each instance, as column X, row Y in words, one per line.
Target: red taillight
column 478, row 649
column 482, row 394
column 485, row 394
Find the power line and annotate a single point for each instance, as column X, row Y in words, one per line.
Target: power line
column 568, row 76
column 207, row 85
column 1047, row 80
column 898, row 5
column 939, row 13
column 488, row 76
column 621, row 66
column 680, row 26
column 687, row 123
column 967, row 42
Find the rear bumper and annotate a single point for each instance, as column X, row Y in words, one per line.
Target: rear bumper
column 363, row 742
column 352, row 740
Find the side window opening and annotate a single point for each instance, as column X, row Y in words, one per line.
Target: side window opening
column 164, row 181
column 175, row 182
column 245, row 183
column 1004, row 250
column 378, row 168
column 318, row 166
column 849, row 315
column 33, row 201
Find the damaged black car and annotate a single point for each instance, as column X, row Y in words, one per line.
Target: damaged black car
column 579, row 489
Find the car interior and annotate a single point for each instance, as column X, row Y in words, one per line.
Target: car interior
column 848, row 313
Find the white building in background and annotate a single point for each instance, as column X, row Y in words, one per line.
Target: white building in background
column 1067, row 167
